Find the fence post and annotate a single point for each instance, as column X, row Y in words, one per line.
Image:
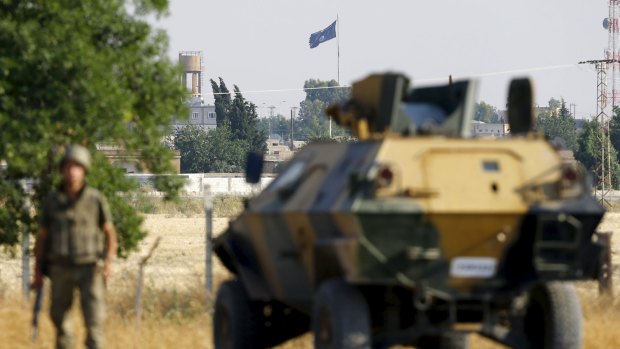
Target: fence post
column 138, row 305
column 208, row 207
column 605, row 282
column 26, row 243
column 26, row 262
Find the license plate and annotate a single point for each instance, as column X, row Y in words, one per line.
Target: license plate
column 473, row 267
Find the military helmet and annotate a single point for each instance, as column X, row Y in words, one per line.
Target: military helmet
column 77, row 153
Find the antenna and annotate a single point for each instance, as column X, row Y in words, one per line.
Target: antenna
column 613, row 46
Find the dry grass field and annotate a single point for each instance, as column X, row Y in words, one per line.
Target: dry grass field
column 174, row 311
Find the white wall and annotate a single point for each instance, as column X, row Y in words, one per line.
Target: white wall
column 220, row 183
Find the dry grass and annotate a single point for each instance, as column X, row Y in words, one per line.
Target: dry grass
column 601, row 322
column 223, row 206
column 171, row 322
column 174, row 311
column 176, row 318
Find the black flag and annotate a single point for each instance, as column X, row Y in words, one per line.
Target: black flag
column 323, row 35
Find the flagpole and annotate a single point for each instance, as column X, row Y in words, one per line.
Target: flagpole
column 338, row 44
column 338, row 41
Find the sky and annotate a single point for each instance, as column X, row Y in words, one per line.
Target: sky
column 262, row 45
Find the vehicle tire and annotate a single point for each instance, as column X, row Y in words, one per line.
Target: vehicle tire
column 444, row 341
column 340, row 317
column 236, row 318
column 553, row 318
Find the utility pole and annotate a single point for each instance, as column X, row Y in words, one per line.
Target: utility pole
column 293, row 112
column 271, row 108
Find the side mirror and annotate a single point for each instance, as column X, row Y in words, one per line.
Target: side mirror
column 521, row 106
column 254, row 167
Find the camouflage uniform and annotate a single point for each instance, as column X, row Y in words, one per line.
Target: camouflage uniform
column 74, row 249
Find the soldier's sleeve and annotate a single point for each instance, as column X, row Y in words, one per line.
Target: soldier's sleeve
column 105, row 216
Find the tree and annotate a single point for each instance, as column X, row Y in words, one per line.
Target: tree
column 225, row 154
column 614, row 130
column 325, row 91
column 191, row 141
column 487, row 113
column 555, row 104
column 223, row 102
column 244, row 123
column 63, row 81
column 589, row 152
column 276, row 124
column 560, row 126
column 240, row 115
column 215, row 151
column 312, row 121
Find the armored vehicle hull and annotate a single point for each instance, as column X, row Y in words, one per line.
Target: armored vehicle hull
column 412, row 240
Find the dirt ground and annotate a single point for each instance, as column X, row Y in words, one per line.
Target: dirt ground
column 179, row 259
column 179, row 263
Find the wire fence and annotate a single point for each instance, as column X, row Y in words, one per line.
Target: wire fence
column 180, row 265
column 173, row 280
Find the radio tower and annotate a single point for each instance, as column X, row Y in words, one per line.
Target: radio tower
column 608, row 78
column 611, row 24
column 613, row 71
column 603, row 168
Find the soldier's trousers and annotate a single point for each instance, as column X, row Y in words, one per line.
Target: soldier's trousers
column 88, row 279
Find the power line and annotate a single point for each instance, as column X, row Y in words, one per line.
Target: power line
column 283, row 90
column 480, row 75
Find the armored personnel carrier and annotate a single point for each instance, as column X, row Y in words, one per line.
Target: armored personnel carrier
column 417, row 234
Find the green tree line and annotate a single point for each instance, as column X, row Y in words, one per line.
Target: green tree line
column 242, row 131
column 559, row 125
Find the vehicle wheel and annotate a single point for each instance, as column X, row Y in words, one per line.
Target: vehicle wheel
column 445, row 341
column 235, row 321
column 340, row 317
column 553, row 318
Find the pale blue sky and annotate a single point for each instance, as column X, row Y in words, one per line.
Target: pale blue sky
column 263, row 44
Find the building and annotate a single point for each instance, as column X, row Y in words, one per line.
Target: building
column 277, row 154
column 200, row 114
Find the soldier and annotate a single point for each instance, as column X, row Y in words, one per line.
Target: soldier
column 70, row 246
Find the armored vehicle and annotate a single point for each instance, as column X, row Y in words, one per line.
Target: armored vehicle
column 418, row 234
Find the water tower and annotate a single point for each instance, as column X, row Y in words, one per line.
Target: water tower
column 192, row 64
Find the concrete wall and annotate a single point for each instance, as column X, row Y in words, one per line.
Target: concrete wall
column 220, row 183
column 132, row 163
